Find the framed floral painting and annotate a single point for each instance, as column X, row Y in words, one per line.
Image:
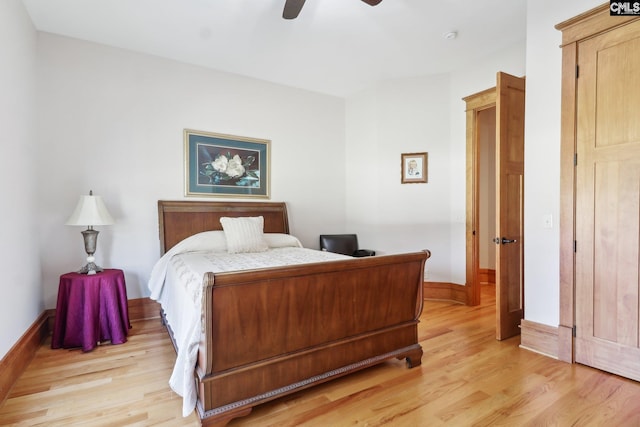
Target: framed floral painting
column 414, row 168
column 225, row 165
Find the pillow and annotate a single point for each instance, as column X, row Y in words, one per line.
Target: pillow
column 205, row 241
column 281, row 240
column 244, row 234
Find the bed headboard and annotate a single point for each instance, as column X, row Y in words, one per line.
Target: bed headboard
column 181, row 219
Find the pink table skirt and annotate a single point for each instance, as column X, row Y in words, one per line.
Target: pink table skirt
column 91, row 309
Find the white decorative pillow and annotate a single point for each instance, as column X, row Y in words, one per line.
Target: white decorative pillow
column 244, row 234
column 213, row 241
column 280, row 240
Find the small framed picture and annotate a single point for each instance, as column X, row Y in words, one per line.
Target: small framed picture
column 414, row 168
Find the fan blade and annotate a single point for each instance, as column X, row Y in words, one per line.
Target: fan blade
column 292, row 8
column 372, row 2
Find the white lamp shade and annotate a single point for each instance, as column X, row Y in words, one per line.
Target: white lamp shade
column 90, row 211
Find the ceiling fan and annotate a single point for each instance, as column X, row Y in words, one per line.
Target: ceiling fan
column 293, row 7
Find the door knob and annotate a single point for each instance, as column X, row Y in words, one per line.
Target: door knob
column 504, row 240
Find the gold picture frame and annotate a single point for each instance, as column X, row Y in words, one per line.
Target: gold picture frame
column 414, row 168
column 226, row 165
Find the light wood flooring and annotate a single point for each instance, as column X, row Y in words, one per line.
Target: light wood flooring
column 467, row 378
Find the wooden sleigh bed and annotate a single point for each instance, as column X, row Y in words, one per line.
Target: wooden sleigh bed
column 267, row 333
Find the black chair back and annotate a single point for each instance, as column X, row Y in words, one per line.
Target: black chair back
column 346, row 244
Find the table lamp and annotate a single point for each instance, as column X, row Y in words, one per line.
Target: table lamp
column 90, row 211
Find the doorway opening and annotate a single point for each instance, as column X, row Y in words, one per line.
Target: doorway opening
column 486, row 124
column 481, row 198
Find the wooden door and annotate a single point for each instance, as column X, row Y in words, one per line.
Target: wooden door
column 607, row 247
column 510, row 97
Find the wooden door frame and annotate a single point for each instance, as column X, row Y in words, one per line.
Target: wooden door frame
column 475, row 104
column 587, row 24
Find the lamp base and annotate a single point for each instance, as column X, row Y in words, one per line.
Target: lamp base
column 90, row 268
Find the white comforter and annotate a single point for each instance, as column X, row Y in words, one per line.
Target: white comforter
column 176, row 282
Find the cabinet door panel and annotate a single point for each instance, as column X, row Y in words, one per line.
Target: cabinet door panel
column 608, row 202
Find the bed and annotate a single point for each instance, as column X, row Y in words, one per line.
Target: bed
column 267, row 332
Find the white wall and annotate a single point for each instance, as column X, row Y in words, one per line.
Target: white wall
column 400, row 116
column 477, row 76
column 112, row 121
column 542, row 155
column 21, row 301
column 416, row 115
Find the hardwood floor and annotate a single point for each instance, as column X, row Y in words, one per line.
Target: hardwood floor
column 466, row 378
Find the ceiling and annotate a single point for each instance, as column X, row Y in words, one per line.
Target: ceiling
column 336, row 47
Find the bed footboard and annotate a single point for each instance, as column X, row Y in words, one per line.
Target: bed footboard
column 268, row 333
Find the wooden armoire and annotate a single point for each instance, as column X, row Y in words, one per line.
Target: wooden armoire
column 600, row 192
